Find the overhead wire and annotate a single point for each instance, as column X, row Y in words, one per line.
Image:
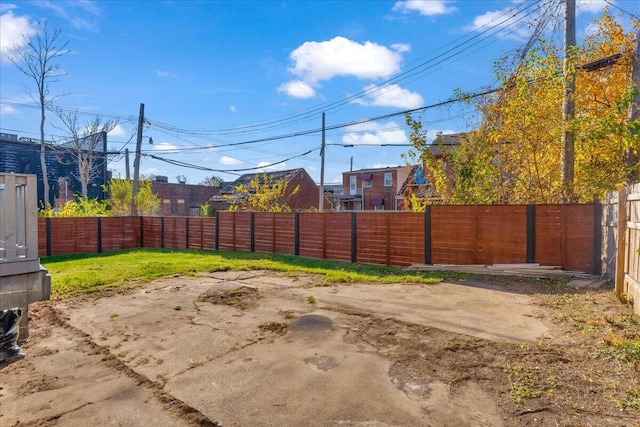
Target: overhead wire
column 337, row 102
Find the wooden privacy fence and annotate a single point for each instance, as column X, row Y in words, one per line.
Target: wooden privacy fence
column 568, row 236
column 627, row 268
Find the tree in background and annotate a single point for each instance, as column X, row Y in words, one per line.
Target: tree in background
column 181, row 179
column 84, row 144
column 35, row 58
column 212, row 181
column 262, row 193
column 83, row 207
column 121, row 191
column 514, row 153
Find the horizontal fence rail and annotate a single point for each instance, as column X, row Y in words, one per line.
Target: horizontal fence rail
column 567, row 236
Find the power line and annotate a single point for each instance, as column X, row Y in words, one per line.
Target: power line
column 496, row 25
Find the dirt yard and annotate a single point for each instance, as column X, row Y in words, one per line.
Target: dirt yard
column 265, row 349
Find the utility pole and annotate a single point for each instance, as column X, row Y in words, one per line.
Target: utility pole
column 136, row 163
column 321, row 203
column 126, row 165
column 631, row 157
column 568, row 103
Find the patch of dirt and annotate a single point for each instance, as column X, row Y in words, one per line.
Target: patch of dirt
column 242, row 298
column 273, row 327
column 581, row 381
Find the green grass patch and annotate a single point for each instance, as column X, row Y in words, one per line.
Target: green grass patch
column 85, row 273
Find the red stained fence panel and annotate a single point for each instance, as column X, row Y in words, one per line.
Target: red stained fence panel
column 562, row 235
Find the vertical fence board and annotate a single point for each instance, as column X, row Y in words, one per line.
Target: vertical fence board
column 264, row 231
column 371, row 240
column 338, row 236
column 453, row 234
column 502, row 234
column 284, row 233
column 311, row 234
column 406, row 238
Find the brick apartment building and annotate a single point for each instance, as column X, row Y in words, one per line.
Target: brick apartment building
column 373, row 189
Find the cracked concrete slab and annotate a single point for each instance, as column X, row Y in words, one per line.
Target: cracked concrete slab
column 203, row 351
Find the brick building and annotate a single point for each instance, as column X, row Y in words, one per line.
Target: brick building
column 22, row 155
column 307, row 197
column 373, row 189
column 182, row 199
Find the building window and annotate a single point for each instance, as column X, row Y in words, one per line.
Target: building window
column 388, row 179
column 353, row 185
column 378, row 208
column 367, row 183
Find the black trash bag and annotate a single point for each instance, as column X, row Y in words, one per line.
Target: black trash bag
column 9, row 331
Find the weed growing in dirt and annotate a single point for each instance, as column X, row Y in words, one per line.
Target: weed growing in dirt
column 524, row 384
column 311, row 299
column 113, row 315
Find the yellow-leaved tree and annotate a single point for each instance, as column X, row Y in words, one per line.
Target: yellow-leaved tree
column 262, row 193
column 121, row 191
column 513, row 155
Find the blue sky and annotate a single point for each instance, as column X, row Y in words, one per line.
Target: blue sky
column 240, row 86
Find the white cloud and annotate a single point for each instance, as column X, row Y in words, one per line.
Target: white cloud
column 233, row 108
column 373, row 133
column 382, row 165
column 591, row 6
column 13, row 29
column 424, row 7
column 314, row 62
column 390, row 95
column 297, row 89
column 230, row 161
column 117, row 132
column 317, row 61
column 508, row 23
column 266, row 166
column 164, row 147
column 166, row 74
column 81, row 14
column 7, row 109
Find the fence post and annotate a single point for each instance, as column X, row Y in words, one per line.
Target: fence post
column 216, row 243
column 427, row 235
column 48, row 232
column 531, row 234
column 99, row 235
column 252, row 237
column 296, row 233
column 141, row 231
column 162, row 232
column 622, row 242
column 186, row 237
column 597, row 238
column 354, row 238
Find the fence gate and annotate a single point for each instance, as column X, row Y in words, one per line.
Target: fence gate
column 628, row 266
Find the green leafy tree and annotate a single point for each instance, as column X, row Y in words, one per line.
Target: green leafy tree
column 262, row 193
column 212, row 181
column 121, row 192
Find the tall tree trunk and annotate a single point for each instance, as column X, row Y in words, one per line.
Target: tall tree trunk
column 43, row 157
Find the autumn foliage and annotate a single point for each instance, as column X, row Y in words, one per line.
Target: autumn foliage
column 513, row 155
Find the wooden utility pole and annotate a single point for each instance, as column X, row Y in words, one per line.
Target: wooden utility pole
column 631, row 157
column 568, row 103
column 321, row 202
column 126, row 164
column 136, row 163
